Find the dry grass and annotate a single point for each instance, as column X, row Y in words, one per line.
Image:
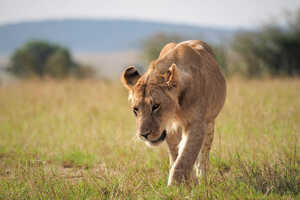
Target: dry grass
column 76, row 140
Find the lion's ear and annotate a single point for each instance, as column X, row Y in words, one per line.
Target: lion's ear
column 172, row 76
column 130, row 76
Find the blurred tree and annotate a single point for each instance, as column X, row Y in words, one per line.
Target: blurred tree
column 275, row 48
column 245, row 47
column 31, row 58
column 59, row 64
column 40, row 58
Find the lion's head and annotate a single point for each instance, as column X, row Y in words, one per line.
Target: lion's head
column 153, row 99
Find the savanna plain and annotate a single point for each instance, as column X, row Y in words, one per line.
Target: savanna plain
column 75, row 139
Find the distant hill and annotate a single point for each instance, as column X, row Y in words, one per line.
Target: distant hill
column 100, row 35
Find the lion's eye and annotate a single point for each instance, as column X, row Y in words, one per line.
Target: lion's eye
column 155, row 107
column 135, row 111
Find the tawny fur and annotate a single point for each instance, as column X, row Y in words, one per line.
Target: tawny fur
column 189, row 89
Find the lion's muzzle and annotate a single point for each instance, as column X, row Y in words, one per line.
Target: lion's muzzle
column 157, row 141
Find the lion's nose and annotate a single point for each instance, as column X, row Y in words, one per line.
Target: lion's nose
column 145, row 134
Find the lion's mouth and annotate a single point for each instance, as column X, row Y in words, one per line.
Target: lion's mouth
column 161, row 138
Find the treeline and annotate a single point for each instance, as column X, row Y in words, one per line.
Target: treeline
column 272, row 50
column 45, row 59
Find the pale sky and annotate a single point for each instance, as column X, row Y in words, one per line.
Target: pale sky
column 226, row 13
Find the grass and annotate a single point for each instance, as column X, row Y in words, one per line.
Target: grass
column 76, row 140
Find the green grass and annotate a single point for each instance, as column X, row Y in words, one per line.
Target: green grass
column 76, row 140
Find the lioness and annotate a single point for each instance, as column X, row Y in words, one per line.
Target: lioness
column 178, row 100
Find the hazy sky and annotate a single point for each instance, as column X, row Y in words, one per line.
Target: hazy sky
column 230, row 13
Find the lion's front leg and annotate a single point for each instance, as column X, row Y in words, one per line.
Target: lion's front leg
column 191, row 143
column 173, row 139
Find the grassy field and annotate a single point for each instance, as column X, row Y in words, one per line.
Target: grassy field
column 76, row 140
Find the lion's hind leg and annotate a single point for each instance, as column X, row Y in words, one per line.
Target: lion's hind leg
column 202, row 162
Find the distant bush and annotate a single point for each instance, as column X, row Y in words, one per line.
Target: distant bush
column 41, row 58
column 274, row 49
column 59, row 64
